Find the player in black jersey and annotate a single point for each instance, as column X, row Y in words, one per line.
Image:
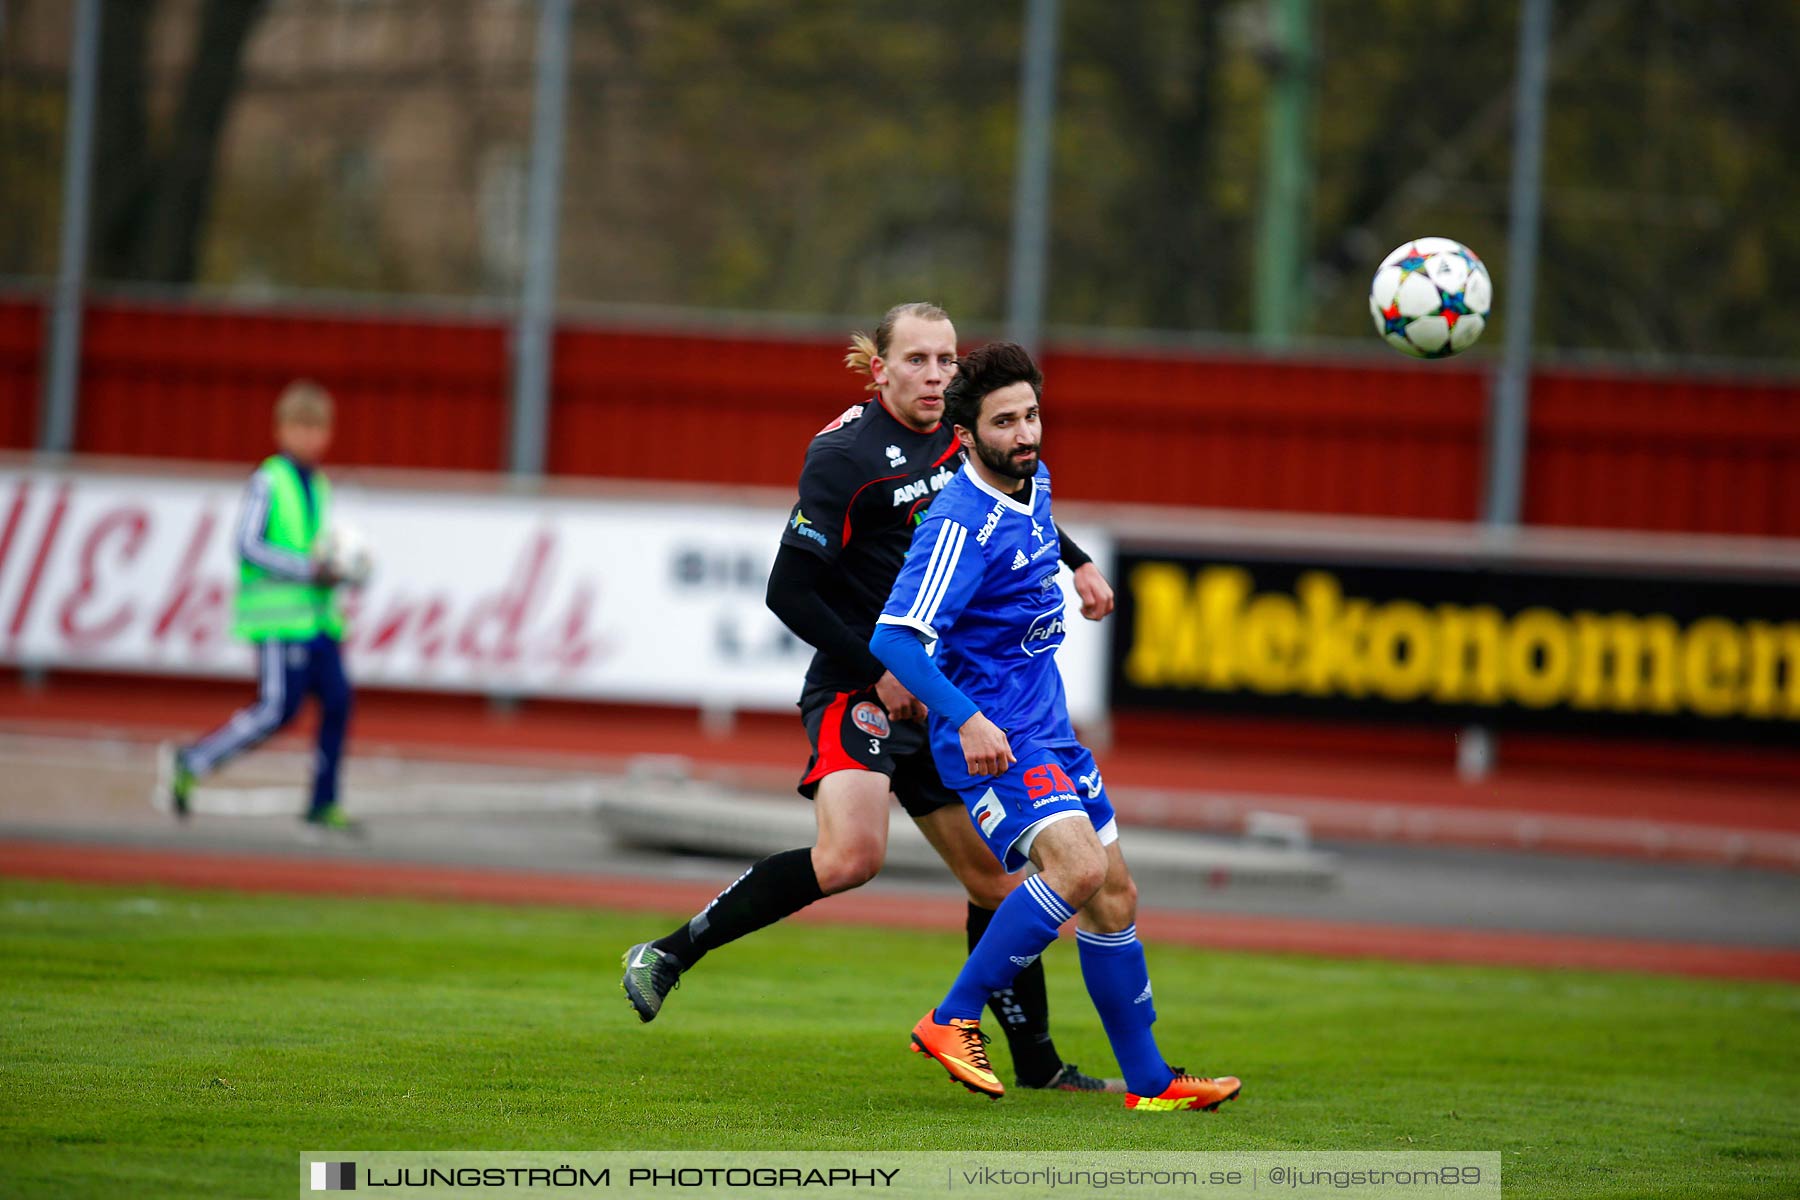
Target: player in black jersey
column 868, row 478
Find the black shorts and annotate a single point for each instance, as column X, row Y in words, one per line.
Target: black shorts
column 850, row 731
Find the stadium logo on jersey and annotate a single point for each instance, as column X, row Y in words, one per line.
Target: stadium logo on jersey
column 800, row 525
column 849, row 414
column 989, row 812
column 870, row 719
column 992, row 523
column 1046, row 633
column 895, row 458
column 1019, row 560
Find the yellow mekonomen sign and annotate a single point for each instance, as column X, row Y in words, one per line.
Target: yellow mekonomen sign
column 1209, row 629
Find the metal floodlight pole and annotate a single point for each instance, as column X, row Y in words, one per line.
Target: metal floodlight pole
column 1281, row 230
column 61, row 382
column 1031, row 181
column 533, row 330
column 1510, row 398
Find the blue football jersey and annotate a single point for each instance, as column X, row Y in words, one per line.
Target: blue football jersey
column 979, row 585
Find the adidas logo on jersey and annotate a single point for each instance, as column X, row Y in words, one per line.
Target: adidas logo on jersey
column 1143, row 996
column 1019, row 559
column 1022, row 962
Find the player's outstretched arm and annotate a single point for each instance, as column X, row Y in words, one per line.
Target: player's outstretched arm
column 1096, row 594
column 793, row 595
column 985, row 748
column 1073, row 556
column 901, row 704
column 899, row 649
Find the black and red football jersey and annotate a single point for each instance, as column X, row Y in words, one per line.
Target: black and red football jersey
column 867, row 481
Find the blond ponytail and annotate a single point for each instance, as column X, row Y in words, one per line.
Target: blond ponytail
column 860, row 357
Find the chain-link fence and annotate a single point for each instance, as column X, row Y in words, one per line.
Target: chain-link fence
column 811, row 157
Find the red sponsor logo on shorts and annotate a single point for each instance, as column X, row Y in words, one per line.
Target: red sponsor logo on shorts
column 869, row 718
column 1041, row 781
column 988, row 813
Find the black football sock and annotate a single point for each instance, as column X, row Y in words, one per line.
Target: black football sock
column 778, row 886
column 1023, row 1011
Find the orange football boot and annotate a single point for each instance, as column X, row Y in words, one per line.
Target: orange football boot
column 960, row 1047
column 1188, row 1092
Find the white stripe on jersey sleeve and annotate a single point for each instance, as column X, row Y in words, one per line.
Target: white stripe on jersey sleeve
column 938, row 569
column 940, row 573
column 931, row 566
column 929, row 616
column 252, row 525
column 926, row 633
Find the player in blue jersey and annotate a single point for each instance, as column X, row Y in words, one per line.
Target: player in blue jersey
column 869, row 477
column 971, row 629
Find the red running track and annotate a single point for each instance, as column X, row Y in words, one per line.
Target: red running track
column 1198, row 775
column 1218, row 931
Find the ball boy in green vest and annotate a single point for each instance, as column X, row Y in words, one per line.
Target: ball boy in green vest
column 287, row 606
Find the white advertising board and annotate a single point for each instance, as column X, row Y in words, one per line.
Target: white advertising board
column 619, row 600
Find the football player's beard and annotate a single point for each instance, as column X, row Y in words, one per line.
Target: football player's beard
column 1008, row 463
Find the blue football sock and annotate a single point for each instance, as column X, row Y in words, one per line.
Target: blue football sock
column 1022, row 927
column 1118, row 980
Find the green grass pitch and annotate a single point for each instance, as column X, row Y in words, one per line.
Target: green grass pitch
column 161, row 1043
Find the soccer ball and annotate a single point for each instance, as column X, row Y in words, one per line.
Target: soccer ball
column 346, row 552
column 1431, row 298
